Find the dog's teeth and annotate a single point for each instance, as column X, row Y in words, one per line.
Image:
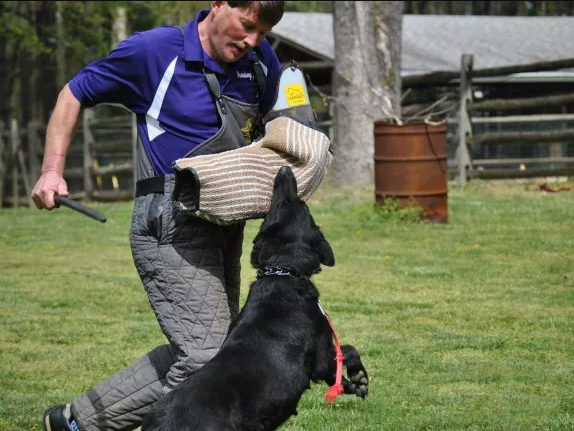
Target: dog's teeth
column 353, row 387
column 359, row 392
column 363, row 380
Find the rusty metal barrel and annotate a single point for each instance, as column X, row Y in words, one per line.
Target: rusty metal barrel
column 411, row 165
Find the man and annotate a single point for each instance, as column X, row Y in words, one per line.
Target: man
column 198, row 90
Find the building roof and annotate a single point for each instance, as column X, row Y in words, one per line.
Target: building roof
column 437, row 42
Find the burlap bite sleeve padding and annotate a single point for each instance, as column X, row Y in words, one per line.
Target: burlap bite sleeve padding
column 237, row 185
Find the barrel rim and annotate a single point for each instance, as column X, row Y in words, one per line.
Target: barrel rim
column 409, row 127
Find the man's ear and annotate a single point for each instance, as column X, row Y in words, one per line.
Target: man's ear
column 216, row 6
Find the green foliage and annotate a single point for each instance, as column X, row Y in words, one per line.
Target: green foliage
column 392, row 208
column 44, row 44
column 87, row 30
column 17, row 32
column 175, row 12
column 309, row 6
column 390, row 211
column 319, row 102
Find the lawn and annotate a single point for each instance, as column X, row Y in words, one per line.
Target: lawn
column 467, row 325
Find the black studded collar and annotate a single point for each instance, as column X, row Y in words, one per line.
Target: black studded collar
column 280, row 270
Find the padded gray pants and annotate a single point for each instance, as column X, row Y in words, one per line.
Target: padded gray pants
column 191, row 271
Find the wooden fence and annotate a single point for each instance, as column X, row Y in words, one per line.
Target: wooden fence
column 99, row 165
column 20, row 162
column 108, row 154
column 473, row 113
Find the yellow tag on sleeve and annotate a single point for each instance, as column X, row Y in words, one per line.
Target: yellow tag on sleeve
column 295, row 94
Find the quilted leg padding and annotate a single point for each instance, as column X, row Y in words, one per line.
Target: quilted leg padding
column 190, row 269
column 122, row 401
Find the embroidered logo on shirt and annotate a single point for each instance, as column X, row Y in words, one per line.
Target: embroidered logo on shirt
column 245, row 75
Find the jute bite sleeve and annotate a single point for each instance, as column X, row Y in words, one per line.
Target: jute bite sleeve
column 237, row 185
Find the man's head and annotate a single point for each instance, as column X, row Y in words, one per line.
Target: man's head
column 233, row 28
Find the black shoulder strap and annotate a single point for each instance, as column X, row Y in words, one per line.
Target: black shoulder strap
column 215, row 90
column 259, row 74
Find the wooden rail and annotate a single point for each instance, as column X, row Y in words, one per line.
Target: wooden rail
column 447, row 76
column 522, row 103
column 512, row 137
column 487, row 168
column 541, row 118
column 527, row 173
column 522, row 161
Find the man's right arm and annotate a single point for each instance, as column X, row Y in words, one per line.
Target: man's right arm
column 59, row 135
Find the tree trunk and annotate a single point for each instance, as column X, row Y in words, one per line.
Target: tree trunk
column 119, row 25
column 366, row 82
column 9, row 47
column 60, row 46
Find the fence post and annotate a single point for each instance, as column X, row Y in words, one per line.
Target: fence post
column 18, row 158
column 15, row 141
column 88, row 158
column 3, row 162
column 34, row 151
column 462, row 153
column 556, row 148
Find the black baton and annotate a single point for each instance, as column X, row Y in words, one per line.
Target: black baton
column 81, row 208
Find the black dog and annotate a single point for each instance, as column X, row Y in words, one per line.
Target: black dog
column 279, row 342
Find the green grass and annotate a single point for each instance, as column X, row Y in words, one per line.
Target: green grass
column 467, row 325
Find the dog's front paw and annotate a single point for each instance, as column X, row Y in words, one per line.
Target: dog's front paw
column 359, row 384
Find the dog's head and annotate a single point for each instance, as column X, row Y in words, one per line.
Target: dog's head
column 288, row 235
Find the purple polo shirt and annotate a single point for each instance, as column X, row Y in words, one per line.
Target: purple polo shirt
column 157, row 74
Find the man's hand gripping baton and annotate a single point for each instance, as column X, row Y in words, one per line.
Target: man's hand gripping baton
column 81, row 208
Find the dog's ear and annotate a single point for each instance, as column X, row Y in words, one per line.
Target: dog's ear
column 326, row 256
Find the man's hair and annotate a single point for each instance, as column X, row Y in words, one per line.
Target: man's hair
column 270, row 12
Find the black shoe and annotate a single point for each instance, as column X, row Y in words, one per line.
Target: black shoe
column 58, row 418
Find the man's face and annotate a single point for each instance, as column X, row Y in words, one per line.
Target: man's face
column 234, row 31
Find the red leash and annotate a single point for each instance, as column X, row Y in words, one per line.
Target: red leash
column 337, row 389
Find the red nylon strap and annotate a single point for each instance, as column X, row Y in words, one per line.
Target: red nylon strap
column 337, row 389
